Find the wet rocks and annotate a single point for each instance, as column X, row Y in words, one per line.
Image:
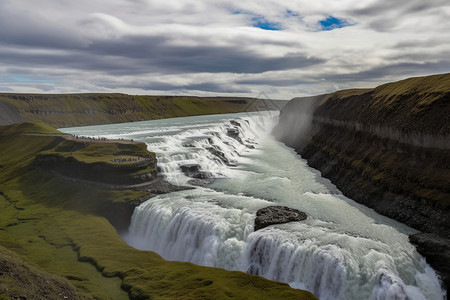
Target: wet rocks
column 220, row 155
column 193, row 170
column 235, row 123
column 437, row 251
column 271, row 215
column 234, row 133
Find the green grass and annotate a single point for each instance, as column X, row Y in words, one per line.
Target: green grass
column 417, row 105
column 58, row 227
column 426, row 90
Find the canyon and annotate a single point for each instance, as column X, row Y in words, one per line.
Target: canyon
column 387, row 148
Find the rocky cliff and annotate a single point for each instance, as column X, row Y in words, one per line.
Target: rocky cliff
column 387, row 148
column 69, row 110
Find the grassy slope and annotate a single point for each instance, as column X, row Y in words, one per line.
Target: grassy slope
column 58, row 228
column 419, row 104
column 87, row 109
column 20, row 279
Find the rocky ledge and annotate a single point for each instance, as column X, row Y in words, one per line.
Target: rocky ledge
column 271, row 215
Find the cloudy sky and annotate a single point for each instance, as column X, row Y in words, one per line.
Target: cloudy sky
column 282, row 48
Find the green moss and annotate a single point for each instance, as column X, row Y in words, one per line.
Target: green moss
column 59, row 228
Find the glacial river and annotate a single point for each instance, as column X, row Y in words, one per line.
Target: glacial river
column 343, row 250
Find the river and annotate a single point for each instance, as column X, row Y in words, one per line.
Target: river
column 343, row 250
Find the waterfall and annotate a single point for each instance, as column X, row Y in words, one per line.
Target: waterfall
column 342, row 251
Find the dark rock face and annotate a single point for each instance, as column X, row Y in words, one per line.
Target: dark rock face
column 271, row 215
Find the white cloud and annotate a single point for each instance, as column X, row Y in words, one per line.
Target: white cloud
column 208, row 47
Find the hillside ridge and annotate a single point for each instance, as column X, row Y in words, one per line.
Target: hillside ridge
column 69, row 110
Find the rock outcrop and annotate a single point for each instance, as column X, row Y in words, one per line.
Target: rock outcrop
column 387, row 148
column 272, row 215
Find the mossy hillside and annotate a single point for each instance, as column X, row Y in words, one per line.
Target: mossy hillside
column 423, row 90
column 20, row 280
column 68, row 110
column 58, row 227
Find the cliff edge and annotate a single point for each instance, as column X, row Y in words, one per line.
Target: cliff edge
column 387, row 148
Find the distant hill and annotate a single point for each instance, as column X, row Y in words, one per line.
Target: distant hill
column 68, row 110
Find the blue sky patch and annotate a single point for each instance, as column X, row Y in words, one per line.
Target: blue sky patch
column 259, row 21
column 26, row 79
column 263, row 23
column 331, row 23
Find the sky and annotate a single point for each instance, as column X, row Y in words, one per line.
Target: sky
column 277, row 48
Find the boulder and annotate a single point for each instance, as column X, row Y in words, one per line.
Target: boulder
column 271, row 215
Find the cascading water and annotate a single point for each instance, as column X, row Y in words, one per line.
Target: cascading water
column 342, row 251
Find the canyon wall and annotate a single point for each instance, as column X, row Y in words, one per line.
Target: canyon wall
column 387, row 148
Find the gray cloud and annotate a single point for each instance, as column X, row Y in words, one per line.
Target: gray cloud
column 385, row 15
column 166, row 86
column 137, row 55
column 201, row 47
column 274, row 82
column 412, row 69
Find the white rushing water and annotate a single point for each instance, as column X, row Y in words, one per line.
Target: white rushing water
column 344, row 250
